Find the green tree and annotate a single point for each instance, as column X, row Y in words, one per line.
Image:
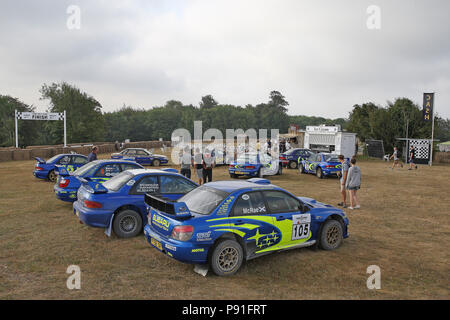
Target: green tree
column 85, row 122
column 29, row 131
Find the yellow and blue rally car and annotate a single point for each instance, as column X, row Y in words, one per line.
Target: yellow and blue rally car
column 224, row 223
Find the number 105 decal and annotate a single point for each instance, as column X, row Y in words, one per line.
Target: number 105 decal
column 300, row 226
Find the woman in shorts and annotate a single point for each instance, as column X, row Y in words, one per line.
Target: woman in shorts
column 353, row 184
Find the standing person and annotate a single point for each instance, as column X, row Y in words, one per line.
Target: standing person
column 208, row 165
column 186, row 162
column 412, row 157
column 93, row 155
column 198, row 165
column 353, row 184
column 396, row 159
column 343, row 180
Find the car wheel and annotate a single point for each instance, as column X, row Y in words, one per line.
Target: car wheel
column 227, row 258
column 52, row 176
column 319, row 173
column 331, row 235
column 293, row 165
column 156, row 163
column 232, row 175
column 127, row 224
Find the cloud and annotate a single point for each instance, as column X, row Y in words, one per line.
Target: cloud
column 319, row 54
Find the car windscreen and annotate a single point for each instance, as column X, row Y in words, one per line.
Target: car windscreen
column 87, row 169
column 331, row 158
column 290, row 151
column 203, row 200
column 116, row 182
column 247, row 158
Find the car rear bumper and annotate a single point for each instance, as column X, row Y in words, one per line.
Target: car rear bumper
column 243, row 172
column 40, row 174
column 184, row 251
column 65, row 194
column 96, row 218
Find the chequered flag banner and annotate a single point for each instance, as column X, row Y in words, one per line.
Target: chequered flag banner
column 40, row 115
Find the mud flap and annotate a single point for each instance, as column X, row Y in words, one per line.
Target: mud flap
column 108, row 230
column 201, row 269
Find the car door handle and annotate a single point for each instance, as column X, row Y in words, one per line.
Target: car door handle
column 239, row 222
column 279, row 218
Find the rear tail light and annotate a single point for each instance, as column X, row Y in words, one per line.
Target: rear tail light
column 92, row 204
column 283, row 158
column 63, row 183
column 182, row 233
column 329, row 166
column 39, row 168
column 250, row 167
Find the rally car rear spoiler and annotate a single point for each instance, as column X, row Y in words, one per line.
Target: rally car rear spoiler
column 40, row 160
column 177, row 209
column 92, row 186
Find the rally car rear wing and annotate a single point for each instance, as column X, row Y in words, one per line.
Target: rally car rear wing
column 40, row 160
column 177, row 209
column 92, row 186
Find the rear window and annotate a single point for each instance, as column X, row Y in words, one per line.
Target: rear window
column 115, row 183
column 331, row 158
column 86, row 170
column 203, row 200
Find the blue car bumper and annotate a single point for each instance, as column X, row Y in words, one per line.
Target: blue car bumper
column 65, row 194
column 183, row 251
column 331, row 172
column 96, row 218
column 243, row 172
column 41, row 174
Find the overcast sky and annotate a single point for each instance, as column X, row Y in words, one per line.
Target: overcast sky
column 320, row 54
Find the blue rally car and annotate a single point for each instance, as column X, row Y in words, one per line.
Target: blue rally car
column 224, row 223
column 321, row 164
column 292, row 157
column 47, row 169
column 118, row 204
column 67, row 185
column 141, row 156
column 254, row 164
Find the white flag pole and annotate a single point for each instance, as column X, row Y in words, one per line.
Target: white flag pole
column 432, row 128
column 17, row 137
column 65, row 138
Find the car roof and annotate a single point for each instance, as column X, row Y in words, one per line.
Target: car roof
column 231, row 186
column 135, row 172
column 101, row 161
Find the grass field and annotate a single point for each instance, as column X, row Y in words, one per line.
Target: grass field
column 403, row 227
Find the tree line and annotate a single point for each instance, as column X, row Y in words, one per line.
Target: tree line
column 87, row 123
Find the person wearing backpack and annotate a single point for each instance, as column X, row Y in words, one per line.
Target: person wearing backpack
column 353, row 184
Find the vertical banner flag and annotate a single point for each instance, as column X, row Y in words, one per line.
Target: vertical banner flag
column 428, row 101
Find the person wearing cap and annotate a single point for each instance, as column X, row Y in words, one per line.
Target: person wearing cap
column 93, row 155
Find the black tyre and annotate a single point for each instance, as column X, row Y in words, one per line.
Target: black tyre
column 226, row 258
column 319, row 173
column 52, row 176
column 127, row 224
column 293, row 165
column 331, row 236
column 156, row 163
column 232, row 175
